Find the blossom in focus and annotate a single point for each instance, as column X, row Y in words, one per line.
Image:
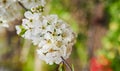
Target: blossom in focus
column 53, row 36
column 57, row 40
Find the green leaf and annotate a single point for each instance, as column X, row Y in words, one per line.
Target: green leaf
column 23, row 30
column 61, row 67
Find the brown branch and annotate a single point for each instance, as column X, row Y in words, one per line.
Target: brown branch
column 22, row 5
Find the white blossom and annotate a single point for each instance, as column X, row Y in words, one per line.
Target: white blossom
column 53, row 36
column 30, row 15
column 18, row 29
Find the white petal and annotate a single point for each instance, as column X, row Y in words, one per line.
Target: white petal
column 28, row 15
column 18, row 29
column 36, row 16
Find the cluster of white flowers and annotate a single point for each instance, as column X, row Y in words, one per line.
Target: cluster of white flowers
column 53, row 36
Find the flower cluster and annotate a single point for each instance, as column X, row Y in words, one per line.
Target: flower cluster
column 52, row 35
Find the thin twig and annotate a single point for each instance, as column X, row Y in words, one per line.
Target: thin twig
column 65, row 62
column 22, row 5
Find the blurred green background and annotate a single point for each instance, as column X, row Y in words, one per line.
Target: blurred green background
column 97, row 48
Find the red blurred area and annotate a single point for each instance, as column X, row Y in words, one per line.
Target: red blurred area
column 100, row 63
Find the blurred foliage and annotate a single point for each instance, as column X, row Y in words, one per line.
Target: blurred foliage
column 111, row 42
column 80, row 49
column 28, row 65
